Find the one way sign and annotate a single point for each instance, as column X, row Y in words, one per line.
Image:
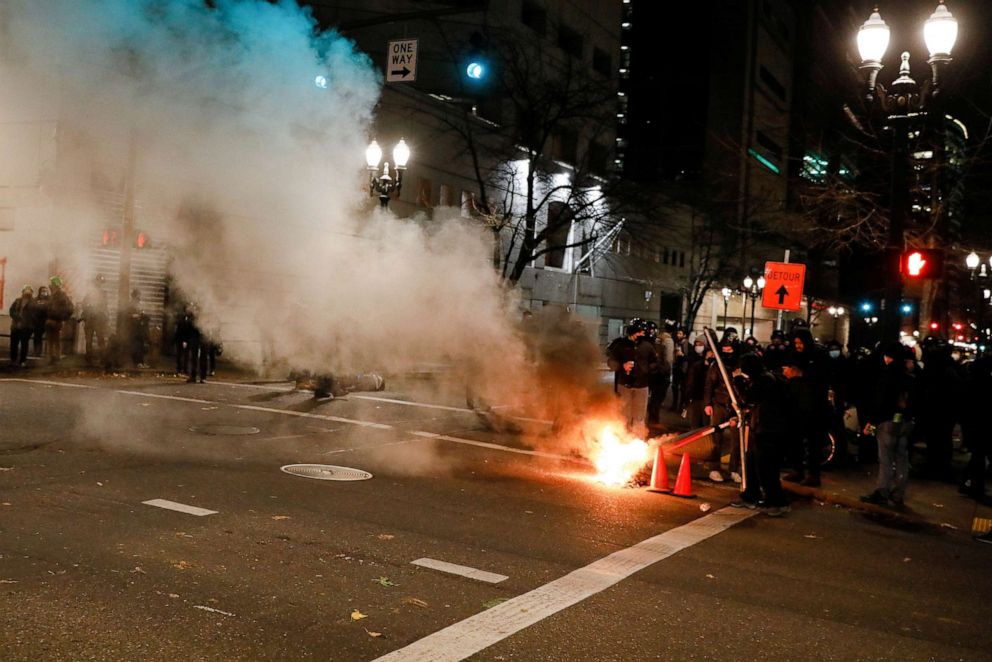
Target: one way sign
column 401, row 61
column 783, row 285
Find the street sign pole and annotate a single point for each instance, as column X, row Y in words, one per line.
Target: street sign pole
column 778, row 317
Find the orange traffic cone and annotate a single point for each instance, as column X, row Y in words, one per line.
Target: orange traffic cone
column 659, row 474
column 683, row 483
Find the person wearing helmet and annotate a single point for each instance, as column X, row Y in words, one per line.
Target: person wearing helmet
column 21, row 326
column 633, row 359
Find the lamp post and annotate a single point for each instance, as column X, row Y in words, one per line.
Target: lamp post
column 726, row 300
column 382, row 183
column 898, row 108
column 753, row 289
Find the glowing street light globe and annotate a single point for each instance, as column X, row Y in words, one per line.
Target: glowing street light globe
column 972, row 260
column 940, row 31
column 373, row 155
column 873, row 39
column 748, row 282
column 475, row 70
column 401, row 154
column 761, row 282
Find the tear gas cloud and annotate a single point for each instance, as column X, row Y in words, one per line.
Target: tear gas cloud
column 251, row 174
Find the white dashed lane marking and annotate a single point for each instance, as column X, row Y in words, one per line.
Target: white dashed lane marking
column 179, row 507
column 461, row 570
column 468, row 637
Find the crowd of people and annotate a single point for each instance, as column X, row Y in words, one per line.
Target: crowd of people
column 49, row 325
column 810, row 404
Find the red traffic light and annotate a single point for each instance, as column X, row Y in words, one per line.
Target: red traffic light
column 934, row 326
column 958, row 326
column 922, row 263
column 140, row 240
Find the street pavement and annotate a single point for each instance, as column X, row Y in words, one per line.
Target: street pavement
column 290, row 568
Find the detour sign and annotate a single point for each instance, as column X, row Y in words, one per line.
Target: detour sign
column 783, row 285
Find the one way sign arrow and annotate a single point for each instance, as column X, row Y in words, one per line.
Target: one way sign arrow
column 402, row 73
column 401, row 61
column 782, row 292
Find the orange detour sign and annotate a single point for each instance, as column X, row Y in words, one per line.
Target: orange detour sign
column 783, row 285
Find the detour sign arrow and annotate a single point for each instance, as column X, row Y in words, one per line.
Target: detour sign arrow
column 783, row 285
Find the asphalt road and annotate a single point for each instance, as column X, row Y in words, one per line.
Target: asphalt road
column 286, row 565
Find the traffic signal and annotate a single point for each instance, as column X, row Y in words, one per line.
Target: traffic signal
column 922, row 263
column 476, row 61
column 140, row 239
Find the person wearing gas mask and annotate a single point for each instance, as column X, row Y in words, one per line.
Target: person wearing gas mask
column 718, row 407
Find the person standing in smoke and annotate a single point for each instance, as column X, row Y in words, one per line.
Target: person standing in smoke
column 137, row 330
column 59, row 311
column 197, row 349
column 21, row 326
column 37, row 316
column 96, row 318
column 185, row 328
column 719, row 408
column 633, row 358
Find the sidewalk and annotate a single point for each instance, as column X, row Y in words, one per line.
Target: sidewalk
column 930, row 505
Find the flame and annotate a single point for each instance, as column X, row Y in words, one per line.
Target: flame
column 617, row 459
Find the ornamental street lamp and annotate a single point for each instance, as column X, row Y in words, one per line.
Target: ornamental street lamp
column 753, row 289
column 382, row 183
column 898, row 107
column 726, row 299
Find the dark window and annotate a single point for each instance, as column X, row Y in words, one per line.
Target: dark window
column 772, row 83
column 599, row 158
column 682, row 259
column 570, row 41
column 664, row 255
column 559, row 225
column 534, row 17
column 770, row 145
column 602, row 62
column 567, row 145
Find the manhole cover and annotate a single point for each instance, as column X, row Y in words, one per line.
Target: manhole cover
column 224, row 429
column 326, row 472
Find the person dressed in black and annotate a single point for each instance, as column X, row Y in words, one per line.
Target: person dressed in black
column 197, row 349
column 775, row 352
column 974, row 427
column 697, row 365
column 661, row 375
column 810, row 405
column 185, row 327
column 718, row 406
column 764, row 398
column 138, row 331
column 941, row 392
column 680, row 368
column 38, row 316
column 96, row 319
column 21, row 326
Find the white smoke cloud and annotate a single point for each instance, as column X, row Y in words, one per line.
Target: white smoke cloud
column 251, row 173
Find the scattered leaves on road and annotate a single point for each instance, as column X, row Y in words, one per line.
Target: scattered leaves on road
column 811, row 536
column 6, row 468
column 705, row 507
column 208, row 408
column 907, row 560
column 373, row 634
column 280, row 517
column 416, row 602
column 181, row 565
column 357, row 615
column 183, row 534
column 139, row 570
column 385, row 582
column 8, row 581
column 709, row 576
column 173, row 595
column 99, row 483
column 492, row 603
column 948, row 525
column 385, row 536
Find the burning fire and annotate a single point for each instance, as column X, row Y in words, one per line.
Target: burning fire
column 617, row 459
